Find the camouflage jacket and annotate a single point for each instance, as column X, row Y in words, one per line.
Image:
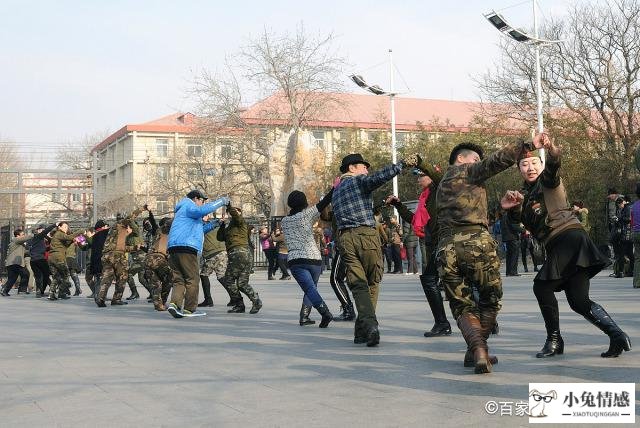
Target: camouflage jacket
column 462, row 196
column 545, row 211
column 117, row 238
column 135, row 239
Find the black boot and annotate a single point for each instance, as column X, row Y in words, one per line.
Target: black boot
column 304, row 315
column 206, row 290
column 326, row 315
column 434, row 298
column 554, row 345
column 76, row 282
column 238, row 306
column 207, row 303
column 257, row 305
column 619, row 341
column 347, row 314
column 134, row 295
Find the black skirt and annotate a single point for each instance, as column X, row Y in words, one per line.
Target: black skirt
column 569, row 251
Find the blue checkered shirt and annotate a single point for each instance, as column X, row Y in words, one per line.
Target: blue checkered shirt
column 352, row 201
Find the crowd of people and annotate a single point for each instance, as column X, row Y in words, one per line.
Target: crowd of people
column 449, row 228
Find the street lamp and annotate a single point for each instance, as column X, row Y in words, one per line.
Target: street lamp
column 522, row 37
column 377, row 90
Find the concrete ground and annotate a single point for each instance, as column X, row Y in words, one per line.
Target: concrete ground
column 69, row 363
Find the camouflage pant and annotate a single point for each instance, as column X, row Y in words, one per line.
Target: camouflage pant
column 216, row 263
column 137, row 267
column 114, row 266
column 468, row 258
column 59, row 279
column 236, row 277
column 158, row 276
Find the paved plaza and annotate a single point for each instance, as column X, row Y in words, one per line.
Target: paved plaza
column 73, row 364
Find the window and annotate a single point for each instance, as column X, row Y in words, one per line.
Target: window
column 162, row 147
column 318, row 139
column 55, row 197
column 76, row 197
column 193, row 172
column 226, row 150
column 375, row 136
column 194, row 148
column 162, row 172
column 162, row 206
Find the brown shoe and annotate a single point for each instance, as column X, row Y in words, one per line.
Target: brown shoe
column 160, row 307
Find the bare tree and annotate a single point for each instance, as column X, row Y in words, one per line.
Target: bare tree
column 298, row 72
column 591, row 79
column 77, row 155
column 9, row 159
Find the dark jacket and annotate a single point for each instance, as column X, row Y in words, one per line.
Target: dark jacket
column 510, row 230
column 37, row 246
column 97, row 245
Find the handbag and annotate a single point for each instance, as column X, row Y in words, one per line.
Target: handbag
column 537, row 253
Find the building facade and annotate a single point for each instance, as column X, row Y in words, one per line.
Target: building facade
column 159, row 161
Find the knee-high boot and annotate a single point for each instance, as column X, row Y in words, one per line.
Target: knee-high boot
column 471, row 329
column 441, row 326
column 554, row 345
column 618, row 339
column 76, row 283
column 305, row 311
column 206, row 290
column 487, row 323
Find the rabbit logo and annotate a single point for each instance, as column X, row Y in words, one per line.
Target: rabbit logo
column 540, row 400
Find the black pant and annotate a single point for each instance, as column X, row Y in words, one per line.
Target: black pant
column 512, row 257
column 397, row 258
column 13, row 272
column 337, row 280
column 388, row 255
column 272, row 259
column 41, row 274
column 576, row 289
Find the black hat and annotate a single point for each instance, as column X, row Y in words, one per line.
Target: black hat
column 297, row 200
column 352, row 159
column 99, row 224
column 196, row 194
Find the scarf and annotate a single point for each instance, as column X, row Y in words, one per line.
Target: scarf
column 421, row 217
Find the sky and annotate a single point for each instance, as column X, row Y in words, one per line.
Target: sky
column 74, row 68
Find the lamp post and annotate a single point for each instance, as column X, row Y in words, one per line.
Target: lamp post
column 522, row 37
column 377, row 90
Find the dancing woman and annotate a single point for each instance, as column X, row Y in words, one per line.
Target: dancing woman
column 572, row 258
column 305, row 260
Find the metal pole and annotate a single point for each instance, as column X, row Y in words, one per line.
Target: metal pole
column 538, row 76
column 393, row 122
column 94, row 180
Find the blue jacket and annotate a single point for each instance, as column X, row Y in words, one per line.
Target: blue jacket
column 187, row 228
